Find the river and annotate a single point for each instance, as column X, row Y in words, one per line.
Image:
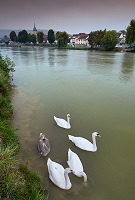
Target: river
column 98, row 90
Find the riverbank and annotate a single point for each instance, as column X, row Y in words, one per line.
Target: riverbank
column 16, row 181
column 15, row 44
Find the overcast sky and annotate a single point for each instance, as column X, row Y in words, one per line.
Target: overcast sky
column 72, row 16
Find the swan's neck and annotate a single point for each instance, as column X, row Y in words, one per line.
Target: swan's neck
column 68, row 120
column 84, row 176
column 67, row 180
column 94, row 142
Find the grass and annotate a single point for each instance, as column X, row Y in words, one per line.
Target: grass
column 16, row 181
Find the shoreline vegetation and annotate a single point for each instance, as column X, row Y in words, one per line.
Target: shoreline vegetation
column 66, row 47
column 101, row 40
column 16, row 181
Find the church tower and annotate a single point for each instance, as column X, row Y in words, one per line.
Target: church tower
column 34, row 30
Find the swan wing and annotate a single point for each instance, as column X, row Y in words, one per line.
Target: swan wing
column 62, row 123
column 82, row 143
column 44, row 147
column 56, row 173
column 74, row 161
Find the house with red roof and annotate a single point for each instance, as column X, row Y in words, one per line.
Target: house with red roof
column 79, row 40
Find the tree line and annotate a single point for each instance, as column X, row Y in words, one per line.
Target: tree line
column 106, row 39
column 109, row 39
column 99, row 38
column 24, row 37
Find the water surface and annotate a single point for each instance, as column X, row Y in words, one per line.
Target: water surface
column 98, row 90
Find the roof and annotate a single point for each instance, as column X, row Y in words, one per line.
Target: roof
column 83, row 36
column 80, row 36
column 34, row 29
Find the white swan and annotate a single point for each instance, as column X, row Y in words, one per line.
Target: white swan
column 43, row 145
column 59, row 175
column 75, row 164
column 63, row 123
column 85, row 144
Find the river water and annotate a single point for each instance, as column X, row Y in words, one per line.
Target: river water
column 98, row 90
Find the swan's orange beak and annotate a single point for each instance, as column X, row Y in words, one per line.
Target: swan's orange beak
column 98, row 135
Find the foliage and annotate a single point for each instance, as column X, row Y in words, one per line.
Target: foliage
column 8, row 177
column 7, row 66
column 51, row 37
column 130, row 35
column 32, row 38
column 23, row 36
column 9, row 138
column 40, row 37
column 109, row 40
column 62, row 38
column 6, row 109
column 91, row 39
column 61, row 42
column 13, row 36
column 16, row 183
column 4, row 89
column 96, row 37
column 6, row 69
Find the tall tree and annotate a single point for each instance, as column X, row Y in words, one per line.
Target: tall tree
column 61, row 42
column 66, row 37
column 6, row 39
column 91, row 39
column 51, row 37
column 40, row 37
column 109, row 40
column 23, row 36
column 13, row 36
column 96, row 37
column 62, row 38
column 130, row 35
column 32, row 38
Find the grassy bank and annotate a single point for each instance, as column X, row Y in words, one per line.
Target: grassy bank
column 16, row 181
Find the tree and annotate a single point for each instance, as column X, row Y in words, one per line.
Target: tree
column 51, row 37
column 130, row 35
column 109, row 40
column 61, row 42
column 23, row 36
column 13, row 36
column 32, row 38
column 66, row 38
column 91, row 39
column 62, row 38
column 96, row 37
column 40, row 37
column 6, row 39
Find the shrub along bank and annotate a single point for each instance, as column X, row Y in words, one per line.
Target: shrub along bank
column 16, row 181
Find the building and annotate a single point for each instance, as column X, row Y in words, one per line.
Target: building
column 121, row 39
column 34, row 30
column 79, row 40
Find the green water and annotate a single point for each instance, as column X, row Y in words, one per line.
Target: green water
column 98, row 90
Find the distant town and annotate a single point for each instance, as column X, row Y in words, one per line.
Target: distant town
column 108, row 40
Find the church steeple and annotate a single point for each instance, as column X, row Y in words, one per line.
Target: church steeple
column 34, row 29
